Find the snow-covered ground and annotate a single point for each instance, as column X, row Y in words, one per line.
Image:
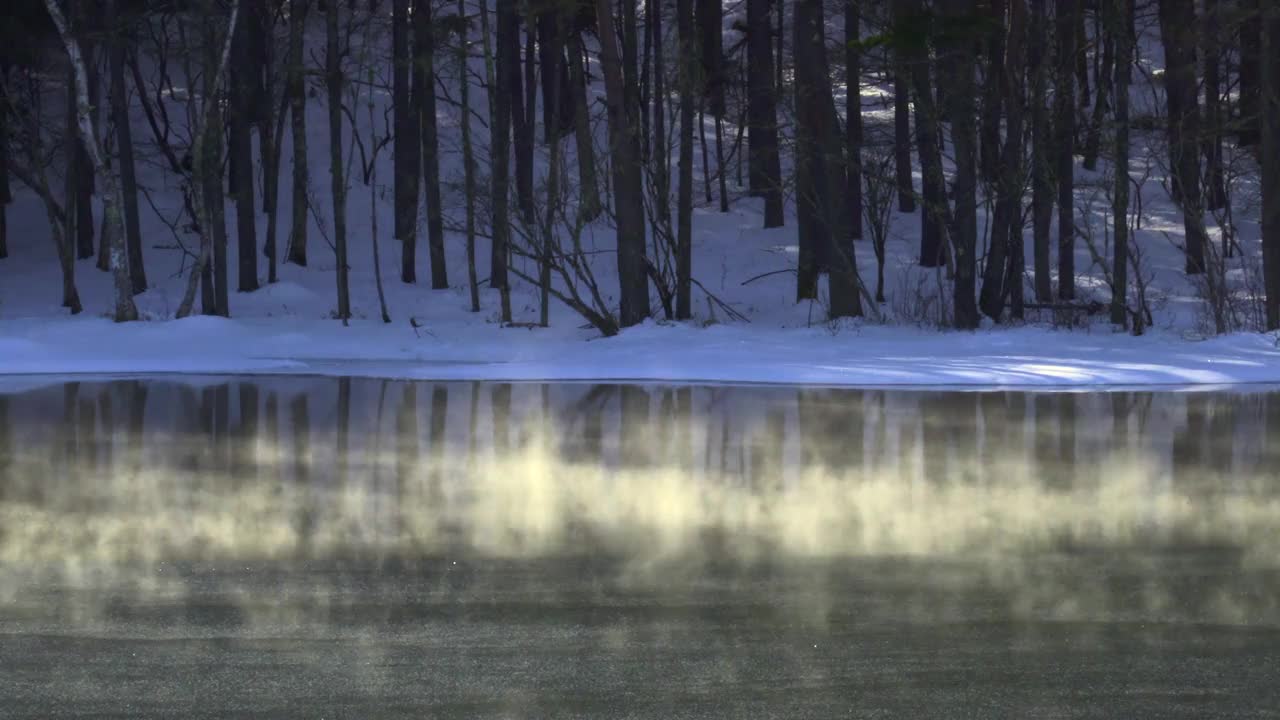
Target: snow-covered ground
column 286, row 327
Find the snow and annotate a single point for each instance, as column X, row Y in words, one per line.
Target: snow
column 287, row 327
column 854, row 355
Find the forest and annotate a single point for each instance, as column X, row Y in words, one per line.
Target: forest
column 938, row 163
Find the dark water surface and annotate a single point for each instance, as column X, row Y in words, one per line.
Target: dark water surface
column 305, row 547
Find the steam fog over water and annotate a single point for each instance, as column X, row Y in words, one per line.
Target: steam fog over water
column 320, row 547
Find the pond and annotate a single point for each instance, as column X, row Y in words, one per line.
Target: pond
column 337, row 547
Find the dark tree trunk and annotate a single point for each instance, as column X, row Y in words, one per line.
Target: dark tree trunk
column 523, row 112
column 853, row 115
column 589, row 205
column 902, row 133
column 243, row 66
column 709, row 16
column 333, row 82
column 214, row 197
column 764, row 166
column 297, row 91
column 660, row 159
column 684, row 203
column 964, row 137
column 424, row 48
column 1269, row 97
column 270, row 137
column 1003, row 271
column 1211, row 29
column 993, row 91
column 628, row 187
column 914, row 22
column 6, row 195
column 1250, row 24
column 557, row 114
column 1093, row 140
column 1177, row 33
column 1118, row 27
column 821, row 195
column 1042, row 180
column 507, row 66
column 1064, row 127
column 124, row 143
column 408, row 92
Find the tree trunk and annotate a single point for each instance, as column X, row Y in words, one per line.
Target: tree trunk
column 902, row 133
column 468, row 160
column 112, row 203
column 661, row 156
column 764, row 169
column 914, row 22
column 589, row 206
column 424, row 47
column 1269, row 97
column 1004, row 266
column 1093, row 140
column 1211, row 30
column 523, row 112
column 684, row 203
column 6, row 194
column 1064, row 127
column 1041, row 146
column 853, row 116
column 297, row 91
column 1118, row 27
column 333, row 82
column 1250, row 24
column 1177, row 33
column 626, row 168
column 709, row 17
column 242, row 149
column 408, row 90
column 964, row 137
column 993, row 95
column 124, row 142
column 270, row 139
column 821, row 195
column 506, row 64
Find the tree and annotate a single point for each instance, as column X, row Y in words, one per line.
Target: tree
column 6, row 194
column 853, row 115
column 820, row 171
column 1118, row 19
column 242, row 102
column 112, row 200
column 902, row 128
column 425, row 83
column 1002, row 275
column 993, row 88
column 628, row 189
column 1064, row 139
column 764, row 166
column 297, row 93
column 684, row 202
column 1177, row 34
column 1042, row 180
column 206, row 126
column 468, row 159
column 1269, row 98
column 124, row 143
column 964, row 137
column 913, row 31
column 407, row 149
column 507, row 72
column 333, row 83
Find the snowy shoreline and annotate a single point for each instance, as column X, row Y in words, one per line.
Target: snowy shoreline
column 852, row 356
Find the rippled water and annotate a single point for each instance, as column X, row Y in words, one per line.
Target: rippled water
column 361, row 548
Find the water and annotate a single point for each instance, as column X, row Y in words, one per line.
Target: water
column 306, row 547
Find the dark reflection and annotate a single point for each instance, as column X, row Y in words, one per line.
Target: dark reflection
column 315, row 547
